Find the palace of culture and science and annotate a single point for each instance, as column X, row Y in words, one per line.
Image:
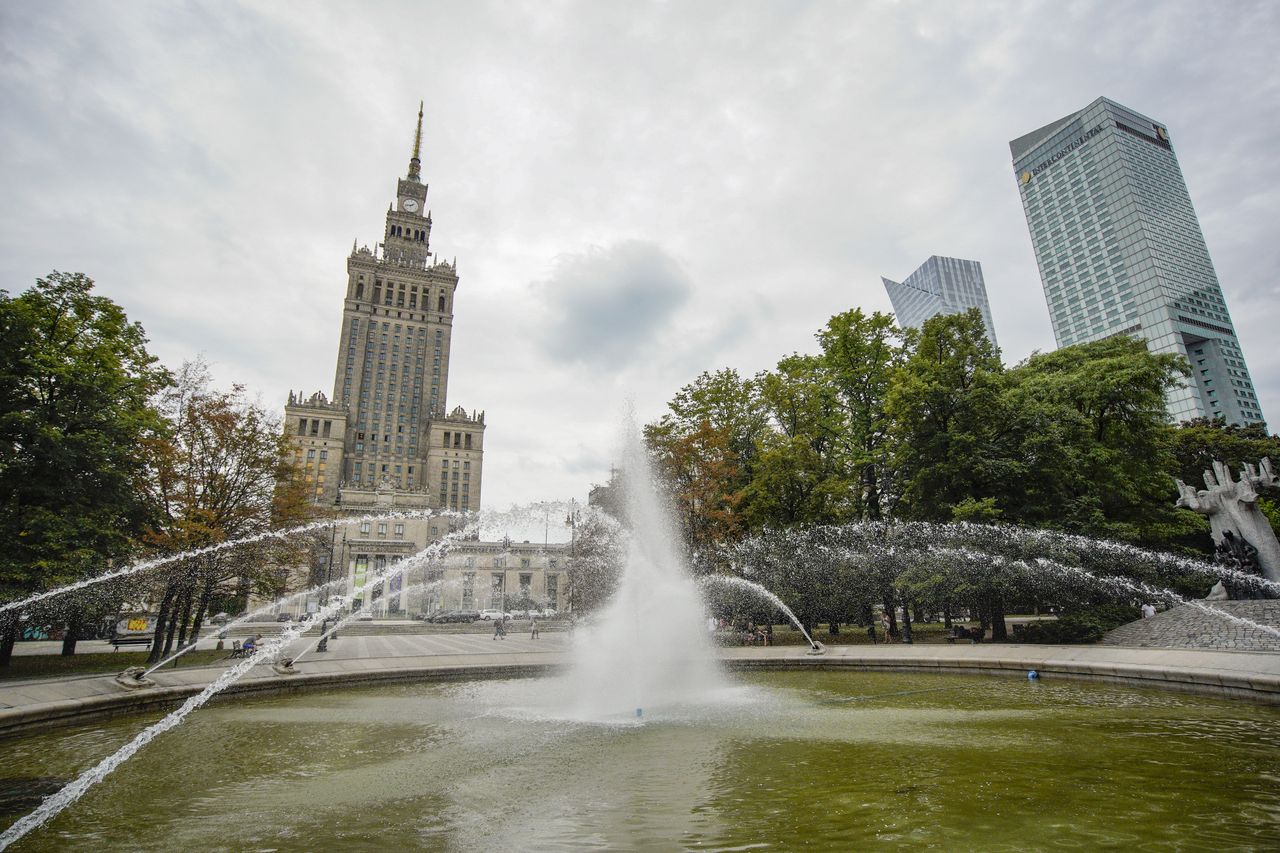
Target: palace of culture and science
column 386, row 440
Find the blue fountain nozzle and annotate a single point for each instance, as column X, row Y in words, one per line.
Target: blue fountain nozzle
column 1032, row 675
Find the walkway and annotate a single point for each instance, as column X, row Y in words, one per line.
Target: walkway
column 351, row 660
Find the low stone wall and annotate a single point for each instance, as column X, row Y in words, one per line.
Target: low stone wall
column 42, row 703
column 1190, row 627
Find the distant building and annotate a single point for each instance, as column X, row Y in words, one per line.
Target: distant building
column 940, row 286
column 386, row 440
column 1121, row 252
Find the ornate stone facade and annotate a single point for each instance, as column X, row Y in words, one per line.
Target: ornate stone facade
column 392, row 375
column 386, row 440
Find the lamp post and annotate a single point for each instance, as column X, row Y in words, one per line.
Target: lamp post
column 572, row 521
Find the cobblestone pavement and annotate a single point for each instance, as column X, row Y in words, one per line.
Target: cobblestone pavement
column 1190, row 627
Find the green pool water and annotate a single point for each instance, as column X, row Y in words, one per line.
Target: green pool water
column 781, row 761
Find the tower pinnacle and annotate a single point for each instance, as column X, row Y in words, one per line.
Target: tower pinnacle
column 415, row 164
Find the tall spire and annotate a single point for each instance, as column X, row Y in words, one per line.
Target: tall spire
column 415, row 164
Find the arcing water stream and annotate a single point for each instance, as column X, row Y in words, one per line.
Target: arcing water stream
column 157, row 562
column 270, row 652
column 648, row 649
column 336, row 582
column 735, row 582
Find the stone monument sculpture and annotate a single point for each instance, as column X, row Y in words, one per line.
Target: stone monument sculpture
column 1242, row 534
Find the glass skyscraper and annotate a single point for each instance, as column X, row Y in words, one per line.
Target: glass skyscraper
column 1120, row 251
column 940, row 286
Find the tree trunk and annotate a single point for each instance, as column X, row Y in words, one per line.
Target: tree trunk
column 906, row 621
column 201, row 608
column 7, row 639
column 946, row 614
column 186, row 620
column 833, row 628
column 173, row 625
column 73, row 632
column 162, row 617
column 893, row 617
column 999, row 631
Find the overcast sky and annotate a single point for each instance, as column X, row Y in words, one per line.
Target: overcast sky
column 634, row 193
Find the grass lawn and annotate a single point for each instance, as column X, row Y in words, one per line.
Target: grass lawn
column 93, row 663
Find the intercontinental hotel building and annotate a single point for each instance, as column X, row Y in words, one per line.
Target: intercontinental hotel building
column 1121, row 252
column 386, row 439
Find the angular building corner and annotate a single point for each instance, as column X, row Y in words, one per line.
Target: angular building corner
column 941, row 286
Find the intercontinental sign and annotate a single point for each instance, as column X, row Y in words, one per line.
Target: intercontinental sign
column 1026, row 177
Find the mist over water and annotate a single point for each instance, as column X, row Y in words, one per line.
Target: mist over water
column 648, row 649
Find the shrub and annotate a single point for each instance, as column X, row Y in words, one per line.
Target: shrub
column 1083, row 626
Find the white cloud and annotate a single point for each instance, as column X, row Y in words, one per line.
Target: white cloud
column 753, row 166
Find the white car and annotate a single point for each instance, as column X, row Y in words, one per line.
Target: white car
column 494, row 614
column 364, row 616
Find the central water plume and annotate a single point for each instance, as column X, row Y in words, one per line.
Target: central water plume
column 648, row 648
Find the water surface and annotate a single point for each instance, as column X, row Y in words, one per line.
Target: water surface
column 776, row 761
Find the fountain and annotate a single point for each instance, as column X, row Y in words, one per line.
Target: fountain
column 647, row 649
column 646, row 741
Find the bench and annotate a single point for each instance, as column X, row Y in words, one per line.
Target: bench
column 973, row 635
column 131, row 640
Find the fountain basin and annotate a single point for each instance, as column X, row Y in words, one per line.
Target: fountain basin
column 813, row 758
column 1254, row 677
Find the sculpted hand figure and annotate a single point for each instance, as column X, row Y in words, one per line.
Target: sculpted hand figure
column 1232, row 507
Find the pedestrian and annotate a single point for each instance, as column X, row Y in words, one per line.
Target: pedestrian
column 533, row 628
column 768, row 634
column 497, row 628
column 887, row 625
column 1148, row 610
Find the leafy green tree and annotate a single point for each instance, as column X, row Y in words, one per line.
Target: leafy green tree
column 944, row 408
column 76, row 419
column 860, row 355
column 1092, row 418
column 800, row 476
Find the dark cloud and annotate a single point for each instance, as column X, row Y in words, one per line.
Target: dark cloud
column 606, row 307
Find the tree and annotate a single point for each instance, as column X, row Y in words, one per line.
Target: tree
column 704, row 452
column 701, row 475
column 1092, row 419
column 596, row 560
column 860, row 355
column 943, row 406
column 76, row 383
column 223, row 474
column 800, row 476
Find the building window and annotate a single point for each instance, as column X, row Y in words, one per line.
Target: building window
column 364, row 527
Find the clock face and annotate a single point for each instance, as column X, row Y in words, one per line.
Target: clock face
column 410, row 205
